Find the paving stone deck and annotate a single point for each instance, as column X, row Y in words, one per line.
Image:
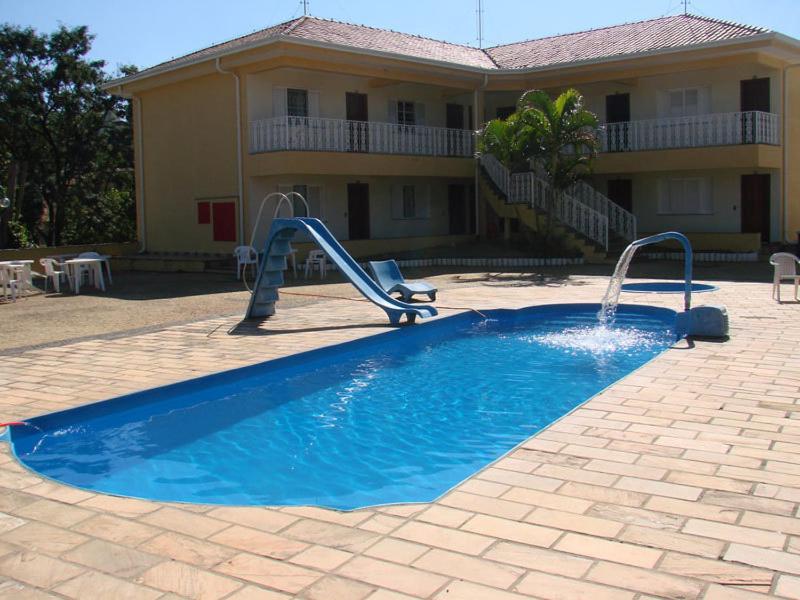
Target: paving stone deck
column 679, row 481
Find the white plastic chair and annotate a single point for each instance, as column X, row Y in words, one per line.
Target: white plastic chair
column 6, row 283
column 316, row 259
column 245, row 255
column 785, row 270
column 52, row 274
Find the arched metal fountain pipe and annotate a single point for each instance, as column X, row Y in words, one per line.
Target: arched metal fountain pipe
column 687, row 259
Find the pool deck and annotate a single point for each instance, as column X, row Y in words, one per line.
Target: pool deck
column 679, row 481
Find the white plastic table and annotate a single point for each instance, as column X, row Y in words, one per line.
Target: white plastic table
column 17, row 268
column 74, row 265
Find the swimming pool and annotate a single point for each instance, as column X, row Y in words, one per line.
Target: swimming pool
column 397, row 417
column 667, row 287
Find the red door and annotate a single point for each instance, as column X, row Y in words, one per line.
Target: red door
column 224, row 214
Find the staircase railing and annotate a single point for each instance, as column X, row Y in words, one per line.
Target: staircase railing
column 620, row 221
column 533, row 191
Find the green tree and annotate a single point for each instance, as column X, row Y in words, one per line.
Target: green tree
column 558, row 137
column 65, row 144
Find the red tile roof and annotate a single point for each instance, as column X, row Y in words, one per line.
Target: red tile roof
column 679, row 31
column 631, row 38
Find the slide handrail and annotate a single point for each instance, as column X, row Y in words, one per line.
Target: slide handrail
column 282, row 197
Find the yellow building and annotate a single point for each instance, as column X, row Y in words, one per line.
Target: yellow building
column 700, row 133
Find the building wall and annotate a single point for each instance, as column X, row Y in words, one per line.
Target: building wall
column 189, row 155
column 383, row 223
column 333, row 87
column 725, row 194
column 647, row 101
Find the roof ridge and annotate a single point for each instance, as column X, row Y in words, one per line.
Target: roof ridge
column 385, row 30
column 757, row 28
column 293, row 26
column 628, row 23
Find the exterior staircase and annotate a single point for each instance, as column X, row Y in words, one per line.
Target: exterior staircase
column 585, row 219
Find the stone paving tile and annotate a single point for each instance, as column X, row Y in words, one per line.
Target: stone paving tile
column 680, row 481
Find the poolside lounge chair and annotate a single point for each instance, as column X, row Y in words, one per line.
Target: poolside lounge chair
column 389, row 277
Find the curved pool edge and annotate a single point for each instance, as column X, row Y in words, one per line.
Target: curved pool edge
column 301, row 359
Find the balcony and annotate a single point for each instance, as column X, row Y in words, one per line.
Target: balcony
column 338, row 135
column 720, row 129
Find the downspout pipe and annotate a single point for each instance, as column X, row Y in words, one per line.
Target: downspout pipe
column 786, row 234
column 240, row 176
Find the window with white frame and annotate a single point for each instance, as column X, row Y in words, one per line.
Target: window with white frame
column 684, row 102
column 409, row 202
column 312, row 195
column 686, row 196
column 406, row 115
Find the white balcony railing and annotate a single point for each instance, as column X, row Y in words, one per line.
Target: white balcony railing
column 535, row 192
column 338, row 135
column 719, row 129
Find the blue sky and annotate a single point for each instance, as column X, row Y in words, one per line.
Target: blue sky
column 147, row 32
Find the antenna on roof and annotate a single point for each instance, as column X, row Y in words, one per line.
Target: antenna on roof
column 480, row 23
column 305, row 8
column 685, row 7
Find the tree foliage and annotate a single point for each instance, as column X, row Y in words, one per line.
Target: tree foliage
column 65, row 145
column 558, row 136
column 555, row 137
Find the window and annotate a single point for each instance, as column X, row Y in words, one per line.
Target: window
column 405, row 113
column 297, row 102
column 409, row 202
column 684, row 102
column 313, row 196
column 687, row 196
column 297, row 204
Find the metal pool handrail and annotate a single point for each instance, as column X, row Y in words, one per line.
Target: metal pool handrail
column 687, row 260
column 281, row 199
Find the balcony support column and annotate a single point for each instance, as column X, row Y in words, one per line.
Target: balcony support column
column 477, row 111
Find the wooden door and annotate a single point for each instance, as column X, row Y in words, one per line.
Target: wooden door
column 754, row 96
column 620, row 191
column 457, row 208
column 357, row 117
column 618, row 112
column 358, row 211
column 755, row 204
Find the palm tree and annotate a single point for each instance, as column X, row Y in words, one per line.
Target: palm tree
column 558, row 136
column 503, row 139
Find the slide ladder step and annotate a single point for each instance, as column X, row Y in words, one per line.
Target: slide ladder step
column 267, row 294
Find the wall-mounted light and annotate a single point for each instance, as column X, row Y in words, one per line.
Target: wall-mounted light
column 4, row 203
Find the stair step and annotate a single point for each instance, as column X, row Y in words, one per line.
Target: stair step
column 262, row 309
column 272, row 279
column 280, row 247
column 267, row 294
column 275, row 263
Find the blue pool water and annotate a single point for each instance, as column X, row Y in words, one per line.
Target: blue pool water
column 667, row 287
column 398, row 417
